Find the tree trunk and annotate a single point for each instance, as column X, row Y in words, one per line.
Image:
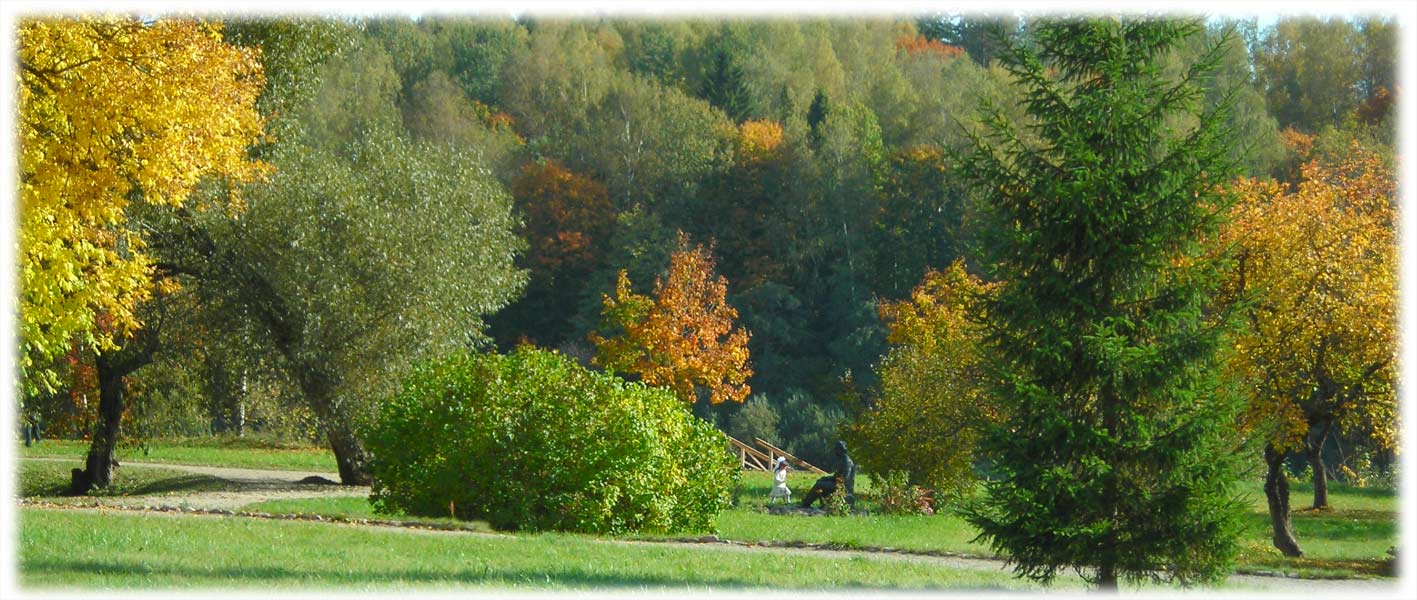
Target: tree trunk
column 1107, row 578
column 98, row 465
column 1316, row 463
column 1314, row 450
column 240, row 417
column 1276, row 491
column 349, row 455
column 335, row 423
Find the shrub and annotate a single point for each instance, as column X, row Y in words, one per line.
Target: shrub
column 896, row 496
column 533, row 441
column 835, row 504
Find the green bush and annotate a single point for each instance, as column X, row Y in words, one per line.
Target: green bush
column 532, row 441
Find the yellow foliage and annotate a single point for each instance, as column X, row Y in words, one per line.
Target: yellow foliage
column 110, row 110
column 1319, row 263
column 758, row 140
column 933, row 394
column 685, row 337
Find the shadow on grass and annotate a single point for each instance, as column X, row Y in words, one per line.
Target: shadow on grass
column 1306, row 489
column 52, row 480
column 175, row 483
column 1331, row 526
column 565, row 576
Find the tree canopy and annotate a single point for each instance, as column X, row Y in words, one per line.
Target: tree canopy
column 115, row 111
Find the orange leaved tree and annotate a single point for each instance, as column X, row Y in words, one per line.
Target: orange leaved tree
column 683, row 338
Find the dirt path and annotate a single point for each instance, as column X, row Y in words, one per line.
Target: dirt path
column 237, row 474
column 259, row 485
column 248, row 486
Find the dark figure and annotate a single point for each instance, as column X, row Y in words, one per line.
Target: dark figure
column 31, row 430
column 843, row 470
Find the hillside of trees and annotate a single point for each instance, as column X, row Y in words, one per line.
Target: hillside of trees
column 458, row 182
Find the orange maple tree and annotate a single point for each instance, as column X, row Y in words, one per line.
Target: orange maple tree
column 920, row 45
column 683, row 338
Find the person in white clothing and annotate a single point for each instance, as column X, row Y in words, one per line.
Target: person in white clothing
column 779, row 487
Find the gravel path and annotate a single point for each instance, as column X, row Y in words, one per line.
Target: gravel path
column 237, row 474
column 259, row 485
column 249, row 486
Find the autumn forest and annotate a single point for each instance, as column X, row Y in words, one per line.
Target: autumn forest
column 1160, row 251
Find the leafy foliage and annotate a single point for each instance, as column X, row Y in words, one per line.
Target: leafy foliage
column 933, row 399
column 684, row 338
column 568, row 219
column 531, row 441
column 437, row 110
column 113, row 111
column 897, row 496
column 755, row 419
column 1318, row 264
column 1310, row 69
column 920, row 45
column 568, row 222
column 919, row 224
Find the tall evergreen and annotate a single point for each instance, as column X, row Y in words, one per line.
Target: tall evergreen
column 723, row 86
column 817, row 113
column 1114, row 452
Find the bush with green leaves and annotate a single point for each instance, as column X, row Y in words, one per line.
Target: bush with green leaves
column 532, row 441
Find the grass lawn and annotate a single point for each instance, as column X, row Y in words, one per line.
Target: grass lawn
column 1351, row 537
column 1349, row 540
column 226, row 451
column 79, row 549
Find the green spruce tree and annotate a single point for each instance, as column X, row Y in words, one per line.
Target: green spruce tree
column 1114, row 454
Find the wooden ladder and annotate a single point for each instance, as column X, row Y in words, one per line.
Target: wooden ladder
column 753, row 459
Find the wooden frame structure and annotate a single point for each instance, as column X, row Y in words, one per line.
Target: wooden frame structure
column 753, row 459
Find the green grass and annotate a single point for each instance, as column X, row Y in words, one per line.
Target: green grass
column 86, row 550
column 355, row 508
column 1343, row 542
column 50, row 479
column 226, row 451
column 1349, row 540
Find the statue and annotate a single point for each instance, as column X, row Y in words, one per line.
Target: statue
column 843, row 471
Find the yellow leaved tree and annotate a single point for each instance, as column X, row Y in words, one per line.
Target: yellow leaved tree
column 933, row 394
column 113, row 110
column 684, row 337
column 1318, row 263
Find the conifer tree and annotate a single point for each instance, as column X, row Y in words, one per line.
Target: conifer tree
column 1115, row 456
